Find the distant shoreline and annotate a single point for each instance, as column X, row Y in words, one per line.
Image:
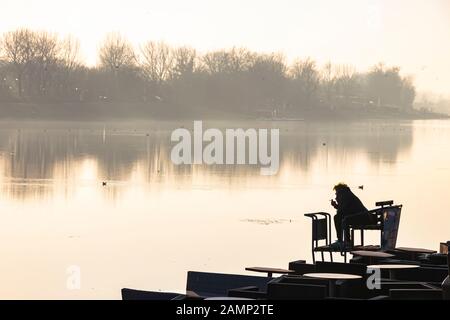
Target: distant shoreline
column 126, row 111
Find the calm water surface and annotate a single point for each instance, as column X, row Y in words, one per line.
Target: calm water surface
column 155, row 221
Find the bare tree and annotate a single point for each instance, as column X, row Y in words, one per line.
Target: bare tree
column 269, row 64
column 70, row 66
column 70, row 53
column 231, row 61
column 116, row 55
column 39, row 64
column 214, row 62
column 116, row 52
column 304, row 70
column 385, row 86
column 158, row 62
column 267, row 79
column 408, row 92
column 346, row 84
column 306, row 77
column 328, row 79
column 47, row 50
column 184, row 61
column 19, row 50
column 241, row 59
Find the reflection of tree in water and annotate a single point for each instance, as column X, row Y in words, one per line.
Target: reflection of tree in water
column 33, row 160
column 338, row 142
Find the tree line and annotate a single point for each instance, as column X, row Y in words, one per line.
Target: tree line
column 41, row 67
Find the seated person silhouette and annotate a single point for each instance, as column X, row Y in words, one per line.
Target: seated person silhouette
column 348, row 206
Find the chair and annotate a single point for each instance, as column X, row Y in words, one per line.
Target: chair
column 339, row 267
column 284, row 287
column 353, row 288
column 377, row 226
column 424, row 274
column 321, row 231
column 387, row 285
column 387, row 221
column 301, row 268
column 207, row 284
column 297, row 292
column 250, row 292
column 295, row 288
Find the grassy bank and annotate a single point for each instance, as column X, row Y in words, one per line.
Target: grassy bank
column 126, row 111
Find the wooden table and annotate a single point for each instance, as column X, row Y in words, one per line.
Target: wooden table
column 392, row 268
column 371, row 255
column 269, row 271
column 414, row 252
column 332, row 277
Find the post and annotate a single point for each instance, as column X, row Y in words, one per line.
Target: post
column 446, row 283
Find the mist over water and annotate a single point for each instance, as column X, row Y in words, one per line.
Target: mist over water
column 153, row 221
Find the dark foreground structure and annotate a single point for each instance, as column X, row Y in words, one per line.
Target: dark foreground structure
column 374, row 272
column 407, row 274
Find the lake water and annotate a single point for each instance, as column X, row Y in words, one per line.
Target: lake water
column 154, row 221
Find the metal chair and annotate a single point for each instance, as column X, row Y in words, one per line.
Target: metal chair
column 387, row 219
column 379, row 223
column 296, row 288
column 321, row 231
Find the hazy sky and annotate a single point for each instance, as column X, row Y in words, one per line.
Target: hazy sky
column 414, row 34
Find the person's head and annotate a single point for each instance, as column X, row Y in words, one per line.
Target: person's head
column 340, row 188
